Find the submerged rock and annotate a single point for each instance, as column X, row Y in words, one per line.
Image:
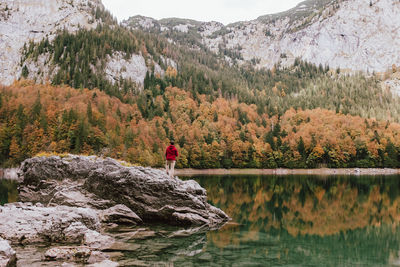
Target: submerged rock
column 149, row 193
column 67, row 253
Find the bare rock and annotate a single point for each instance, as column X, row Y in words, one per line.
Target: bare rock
column 105, row 263
column 24, row 223
column 97, row 256
column 120, row 214
column 95, row 240
column 8, row 256
column 67, row 253
column 148, row 192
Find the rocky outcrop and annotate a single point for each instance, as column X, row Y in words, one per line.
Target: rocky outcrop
column 24, row 223
column 8, row 256
column 347, row 34
column 23, row 21
column 102, row 183
column 82, row 202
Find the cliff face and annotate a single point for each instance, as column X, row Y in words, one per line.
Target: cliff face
column 350, row 34
column 22, row 21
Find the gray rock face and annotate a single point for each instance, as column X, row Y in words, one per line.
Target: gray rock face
column 149, row 193
column 24, row 223
column 119, row 214
column 8, row 256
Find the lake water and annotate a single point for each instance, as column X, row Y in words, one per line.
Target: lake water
column 279, row 221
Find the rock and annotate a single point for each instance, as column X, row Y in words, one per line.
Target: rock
column 76, row 231
column 97, row 256
column 120, row 214
column 24, row 223
column 8, row 256
column 123, row 246
column 95, row 240
column 150, row 193
column 67, row 253
column 106, row 263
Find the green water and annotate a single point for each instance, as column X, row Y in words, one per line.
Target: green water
column 278, row 221
column 8, row 191
column 303, row 221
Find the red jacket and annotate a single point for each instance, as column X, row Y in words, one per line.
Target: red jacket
column 171, row 153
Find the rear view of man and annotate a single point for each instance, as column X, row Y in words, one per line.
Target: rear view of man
column 171, row 153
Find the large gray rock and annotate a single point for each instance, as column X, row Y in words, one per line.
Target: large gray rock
column 24, row 223
column 149, row 193
column 8, row 256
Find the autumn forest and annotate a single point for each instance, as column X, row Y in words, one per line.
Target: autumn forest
column 209, row 134
column 220, row 115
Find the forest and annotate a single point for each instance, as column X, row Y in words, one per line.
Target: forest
column 220, row 133
column 80, row 59
column 221, row 114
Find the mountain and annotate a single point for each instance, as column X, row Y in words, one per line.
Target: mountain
column 21, row 21
column 346, row 34
column 24, row 24
column 143, row 82
column 136, row 62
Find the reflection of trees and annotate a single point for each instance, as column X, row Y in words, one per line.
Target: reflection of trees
column 371, row 246
column 8, row 191
column 337, row 221
column 304, row 205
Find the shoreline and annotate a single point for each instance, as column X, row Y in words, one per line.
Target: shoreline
column 11, row 173
column 320, row 171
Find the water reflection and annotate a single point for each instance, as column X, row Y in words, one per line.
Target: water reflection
column 307, row 220
column 277, row 221
column 307, row 205
column 8, row 191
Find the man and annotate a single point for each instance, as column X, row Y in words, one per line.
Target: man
column 171, row 153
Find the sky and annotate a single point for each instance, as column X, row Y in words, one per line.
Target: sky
column 225, row 11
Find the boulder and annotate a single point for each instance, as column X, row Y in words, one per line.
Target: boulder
column 149, row 193
column 25, row 223
column 67, row 253
column 8, row 256
column 79, row 254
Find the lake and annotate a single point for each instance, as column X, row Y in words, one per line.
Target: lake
column 278, row 221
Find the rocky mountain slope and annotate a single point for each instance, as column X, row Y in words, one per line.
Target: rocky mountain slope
column 25, row 22
column 346, row 34
column 22, row 21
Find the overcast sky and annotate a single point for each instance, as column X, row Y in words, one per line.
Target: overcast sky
column 225, row 11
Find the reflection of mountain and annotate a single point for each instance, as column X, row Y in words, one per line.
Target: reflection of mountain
column 304, row 205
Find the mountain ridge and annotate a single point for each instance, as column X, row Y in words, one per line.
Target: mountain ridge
column 330, row 32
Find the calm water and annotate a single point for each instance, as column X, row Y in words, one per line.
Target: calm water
column 279, row 221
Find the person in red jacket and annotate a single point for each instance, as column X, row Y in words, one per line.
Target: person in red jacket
column 170, row 154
